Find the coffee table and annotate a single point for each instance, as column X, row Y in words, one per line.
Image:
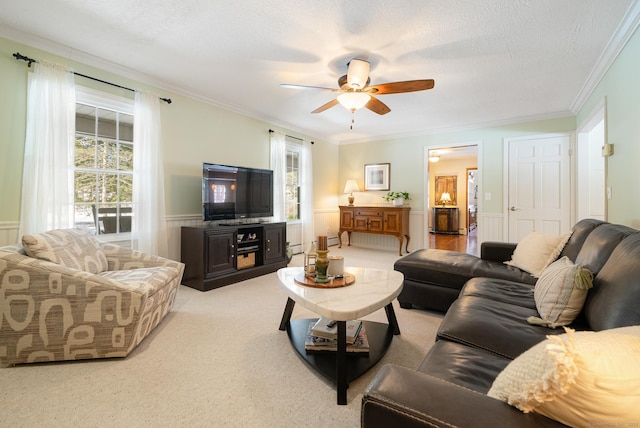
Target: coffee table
column 372, row 290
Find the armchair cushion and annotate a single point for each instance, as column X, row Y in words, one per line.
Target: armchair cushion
column 73, row 248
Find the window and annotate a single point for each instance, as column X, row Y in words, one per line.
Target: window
column 292, row 189
column 103, row 165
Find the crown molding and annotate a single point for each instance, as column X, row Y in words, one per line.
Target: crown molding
column 466, row 127
column 616, row 44
column 85, row 58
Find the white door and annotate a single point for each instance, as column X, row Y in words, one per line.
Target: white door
column 538, row 181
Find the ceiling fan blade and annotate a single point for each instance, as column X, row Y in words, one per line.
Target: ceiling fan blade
column 326, row 106
column 291, row 86
column 377, row 106
column 400, row 87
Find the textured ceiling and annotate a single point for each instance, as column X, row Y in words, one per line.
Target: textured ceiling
column 493, row 61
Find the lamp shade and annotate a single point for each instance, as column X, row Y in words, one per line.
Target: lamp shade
column 446, row 197
column 358, row 73
column 353, row 100
column 351, row 186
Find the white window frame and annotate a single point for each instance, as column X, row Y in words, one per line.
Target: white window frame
column 296, row 148
column 107, row 101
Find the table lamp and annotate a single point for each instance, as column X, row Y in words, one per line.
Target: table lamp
column 350, row 187
column 446, row 197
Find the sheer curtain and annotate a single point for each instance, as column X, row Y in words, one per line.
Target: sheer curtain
column 306, row 201
column 47, row 181
column 149, row 228
column 279, row 167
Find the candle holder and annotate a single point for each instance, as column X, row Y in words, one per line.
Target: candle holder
column 322, row 263
column 310, row 258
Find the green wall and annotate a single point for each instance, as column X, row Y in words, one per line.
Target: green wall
column 193, row 132
column 621, row 88
column 407, row 157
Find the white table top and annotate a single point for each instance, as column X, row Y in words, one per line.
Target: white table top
column 373, row 289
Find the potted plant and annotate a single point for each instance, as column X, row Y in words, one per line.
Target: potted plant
column 398, row 198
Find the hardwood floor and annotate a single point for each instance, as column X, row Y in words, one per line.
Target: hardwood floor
column 462, row 243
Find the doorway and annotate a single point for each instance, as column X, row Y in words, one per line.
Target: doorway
column 450, row 164
column 472, row 198
column 591, row 197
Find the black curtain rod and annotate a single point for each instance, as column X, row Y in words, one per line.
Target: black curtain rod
column 18, row 56
column 290, row 136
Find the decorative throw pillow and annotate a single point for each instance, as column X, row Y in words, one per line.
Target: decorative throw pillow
column 536, row 251
column 73, row 248
column 579, row 379
column 560, row 293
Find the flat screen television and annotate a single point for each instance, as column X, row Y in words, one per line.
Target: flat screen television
column 234, row 192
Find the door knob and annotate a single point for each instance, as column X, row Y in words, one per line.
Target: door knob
column 513, row 208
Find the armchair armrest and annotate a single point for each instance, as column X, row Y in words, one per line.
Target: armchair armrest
column 121, row 258
column 36, row 273
column 497, row 251
column 402, row 397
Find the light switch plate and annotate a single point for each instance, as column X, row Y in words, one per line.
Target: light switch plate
column 607, row 150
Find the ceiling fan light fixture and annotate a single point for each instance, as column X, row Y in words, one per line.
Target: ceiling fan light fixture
column 353, row 100
column 358, row 73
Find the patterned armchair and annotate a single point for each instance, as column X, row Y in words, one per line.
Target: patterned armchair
column 67, row 296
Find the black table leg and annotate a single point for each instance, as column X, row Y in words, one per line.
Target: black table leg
column 286, row 316
column 341, row 363
column 391, row 317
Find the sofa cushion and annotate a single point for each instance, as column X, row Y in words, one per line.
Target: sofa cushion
column 495, row 326
column 73, row 248
column 565, row 375
column 536, row 251
column 499, row 290
column 579, row 234
column 614, row 300
column 598, row 246
column 453, row 269
column 463, row 365
column 561, row 291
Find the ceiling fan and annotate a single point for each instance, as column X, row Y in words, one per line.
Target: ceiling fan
column 356, row 93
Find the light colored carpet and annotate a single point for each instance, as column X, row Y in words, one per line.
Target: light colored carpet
column 217, row 360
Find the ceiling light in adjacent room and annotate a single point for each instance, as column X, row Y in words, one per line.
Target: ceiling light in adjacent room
column 434, row 158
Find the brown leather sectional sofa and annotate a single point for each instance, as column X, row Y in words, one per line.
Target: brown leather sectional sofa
column 485, row 327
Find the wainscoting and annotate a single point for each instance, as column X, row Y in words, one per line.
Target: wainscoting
column 490, row 227
column 9, row 232
column 326, row 222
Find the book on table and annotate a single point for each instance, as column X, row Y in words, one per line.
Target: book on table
column 328, row 329
column 322, row 344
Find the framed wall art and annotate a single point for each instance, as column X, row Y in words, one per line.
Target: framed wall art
column 376, row 176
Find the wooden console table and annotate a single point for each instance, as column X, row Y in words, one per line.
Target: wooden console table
column 446, row 220
column 380, row 220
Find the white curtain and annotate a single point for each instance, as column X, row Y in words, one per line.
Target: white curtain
column 306, row 201
column 279, row 167
column 149, row 227
column 47, row 180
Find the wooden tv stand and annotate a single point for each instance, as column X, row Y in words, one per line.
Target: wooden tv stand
column 380, row 220
column 221, row 255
